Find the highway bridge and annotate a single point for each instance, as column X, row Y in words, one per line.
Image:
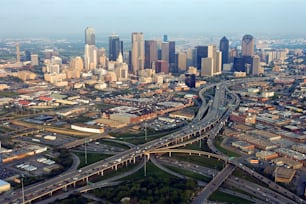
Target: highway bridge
column 215, row 118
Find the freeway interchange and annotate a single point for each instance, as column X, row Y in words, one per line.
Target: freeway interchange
column 204, row 126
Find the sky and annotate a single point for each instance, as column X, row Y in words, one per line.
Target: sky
column 64, row 17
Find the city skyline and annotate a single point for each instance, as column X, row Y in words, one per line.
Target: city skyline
column 223, row 16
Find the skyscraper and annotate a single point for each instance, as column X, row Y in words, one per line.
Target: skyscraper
column 172, row 61
column 90, row 56
column 203, row 52
column 165, row 51
column 247, row 45
column 150, row 52
column 17, row 52
column 90, row 37
column 137, row 52
column 224, row 48
column 114, row 47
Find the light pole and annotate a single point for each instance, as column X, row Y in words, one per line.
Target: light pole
column 22, row 189
column 146, row 131
column 145, row 165
column 85, row 151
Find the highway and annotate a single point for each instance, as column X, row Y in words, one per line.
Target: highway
column 215, row 118
column 213, row 185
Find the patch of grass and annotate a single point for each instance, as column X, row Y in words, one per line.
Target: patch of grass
column 196, row 146
column 200, row 160
column 114, row 144
column 8, row 94
column 91, row 158
column 241, row 174
column 189, row 173
column 217, row 143
column 224, row 197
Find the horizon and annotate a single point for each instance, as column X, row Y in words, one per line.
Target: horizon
column 47, row 18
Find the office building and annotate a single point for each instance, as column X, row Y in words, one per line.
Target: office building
column 150, row 53
column 90, row 37
column 90, row 56
column 224, row 48
column 17, row 53
column 203, row 52
column 181, row 61
column 192, row 57
column 207, row 65
column 165, row 51
column 34, row 60
column 165, row 38
column 217, row 63
column 27, row 55
column 190, row 80
column 161, row 66
column 138, row 55
column 114, row 47
column 247, row 45
column 172, row 61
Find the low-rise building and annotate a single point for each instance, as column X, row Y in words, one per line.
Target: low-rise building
column 244, row 146
column 284, row 175
column 289, row 163
column 266, row 155
column 4, row 186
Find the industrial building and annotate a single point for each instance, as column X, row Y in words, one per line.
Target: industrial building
column 266, row 155
column 4, row 186
column 289, row 163
column 244, row 146
column 284, row 175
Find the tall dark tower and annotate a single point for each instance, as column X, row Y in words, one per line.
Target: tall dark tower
column 224, row 48
column 172, row 61
column 114, row 47
column 202, row 52
column 150, row 52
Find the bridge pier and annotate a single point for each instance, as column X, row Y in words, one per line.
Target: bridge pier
column 116, row 167
column 51, row 194
column 134, row 160
column 169, row 154
column 65, row 188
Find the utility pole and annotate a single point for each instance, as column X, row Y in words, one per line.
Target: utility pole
column 22, row 189
column 85, row 151
column 146, row 131
column 145, row 165
column 200, row 138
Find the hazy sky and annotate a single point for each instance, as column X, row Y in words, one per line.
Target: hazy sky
column 48, row 17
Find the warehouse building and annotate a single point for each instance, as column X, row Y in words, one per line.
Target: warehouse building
column 4, row 186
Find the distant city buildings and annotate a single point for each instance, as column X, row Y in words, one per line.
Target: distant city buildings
column 90, row 56
column 137, row 52
column 114, row 47
column 224, row 48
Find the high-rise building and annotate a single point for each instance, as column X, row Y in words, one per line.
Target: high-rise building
column 172, row 61
column 34, row 60
column 224, row 48
column 181, row 61
column 138, row 55
column 207, row 67
column 255, row 65
column 90, row 37
column 27, row 55
column 90, row 56
column 203, row 52
column 165, row 51
column 150, row 52
column 165, row 38
column 247, row 45
column 114, row 47
column 190, row 80
column 17, row 53
column 161, row 66
column 218, row 63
